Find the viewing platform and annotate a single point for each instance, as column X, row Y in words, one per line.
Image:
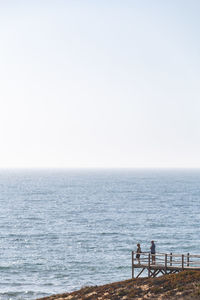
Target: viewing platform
column 164, row 263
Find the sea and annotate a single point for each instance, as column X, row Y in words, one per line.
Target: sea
column 61, row 230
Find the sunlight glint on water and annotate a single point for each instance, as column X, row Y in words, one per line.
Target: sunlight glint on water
column 61, row 230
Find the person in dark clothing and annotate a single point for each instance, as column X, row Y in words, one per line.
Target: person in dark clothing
column 153, row 252
column 138, row 251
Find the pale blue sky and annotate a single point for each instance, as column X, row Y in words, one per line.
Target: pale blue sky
column 100, row 83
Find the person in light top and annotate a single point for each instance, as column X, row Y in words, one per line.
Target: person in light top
column 138, row 251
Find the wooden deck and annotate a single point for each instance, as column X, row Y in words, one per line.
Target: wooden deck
column 165, row 263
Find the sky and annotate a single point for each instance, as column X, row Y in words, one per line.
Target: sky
column 99, row 84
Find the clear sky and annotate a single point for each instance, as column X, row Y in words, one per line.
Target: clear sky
column 99, row 83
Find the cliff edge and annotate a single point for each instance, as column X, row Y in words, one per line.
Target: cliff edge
column 184, row 285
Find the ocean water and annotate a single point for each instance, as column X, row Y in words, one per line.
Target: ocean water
column 62, row 230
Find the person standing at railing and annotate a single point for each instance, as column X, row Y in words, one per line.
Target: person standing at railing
column 138, row 251
column 153, row 252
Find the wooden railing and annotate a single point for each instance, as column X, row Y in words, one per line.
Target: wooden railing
column 165, row 261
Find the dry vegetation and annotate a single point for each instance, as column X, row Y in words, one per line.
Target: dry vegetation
column 185, row 285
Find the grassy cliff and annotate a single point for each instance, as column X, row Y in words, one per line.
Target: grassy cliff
column 184, row 285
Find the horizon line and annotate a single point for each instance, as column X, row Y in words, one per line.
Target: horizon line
column 98, row 168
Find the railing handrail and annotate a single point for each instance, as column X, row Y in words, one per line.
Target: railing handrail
column 170, row 254
column 169, row 259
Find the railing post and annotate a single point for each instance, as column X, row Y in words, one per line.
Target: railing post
column 188, row 259
column 132, row 264
column 165, row 263
column 149, row 261
column 170, row 259
column 182, row 261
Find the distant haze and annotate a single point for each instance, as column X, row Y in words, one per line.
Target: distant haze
column 100, row 83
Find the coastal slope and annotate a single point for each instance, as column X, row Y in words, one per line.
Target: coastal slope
column 184, row 285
